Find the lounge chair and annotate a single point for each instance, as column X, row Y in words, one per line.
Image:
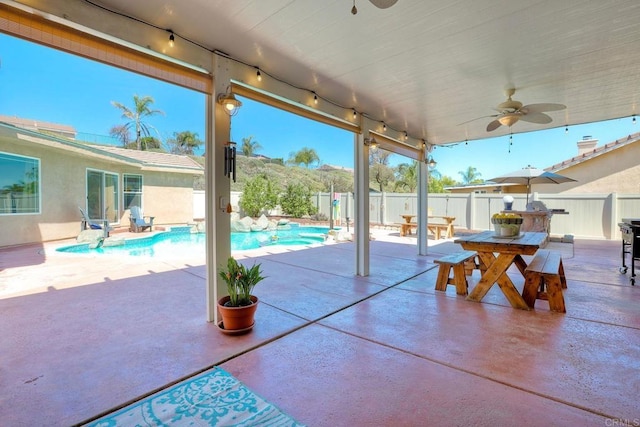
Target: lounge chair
column 137, row 220
column 94, row 224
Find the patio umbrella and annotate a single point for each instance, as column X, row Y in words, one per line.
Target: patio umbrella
column 531, row 175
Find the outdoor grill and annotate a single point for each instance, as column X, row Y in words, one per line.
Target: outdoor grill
column 630, row 229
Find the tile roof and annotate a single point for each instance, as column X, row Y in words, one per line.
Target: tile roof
column 618, row 143
column 38, row 125
column 146, row 160
column 151, row 158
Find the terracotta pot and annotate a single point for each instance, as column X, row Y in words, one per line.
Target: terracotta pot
column 237, row 318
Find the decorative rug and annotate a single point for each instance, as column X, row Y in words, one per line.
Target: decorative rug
column 213, row 398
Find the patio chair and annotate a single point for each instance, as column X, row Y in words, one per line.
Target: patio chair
column 137, row 222
column 94, row 224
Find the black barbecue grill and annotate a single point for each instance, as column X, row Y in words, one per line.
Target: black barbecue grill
column 630, row 229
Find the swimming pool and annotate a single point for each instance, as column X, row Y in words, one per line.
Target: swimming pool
column 187, row 243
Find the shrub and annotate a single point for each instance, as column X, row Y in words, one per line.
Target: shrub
column 259, row 194
column 296, row 201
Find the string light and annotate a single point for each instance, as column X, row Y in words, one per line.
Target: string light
column 634, row 119
column 384, row 126
column 406, row 135
column 355, row 114
column 258, row 75
column 239, row 61
column 566, row 129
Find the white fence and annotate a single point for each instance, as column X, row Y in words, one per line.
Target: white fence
column 590, row 216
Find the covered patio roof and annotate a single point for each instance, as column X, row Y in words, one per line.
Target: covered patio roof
column 421, row 67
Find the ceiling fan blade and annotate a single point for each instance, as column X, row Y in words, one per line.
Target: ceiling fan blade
column 493, row 125
column 541, row 108
column 477, row 118
column 383, row 4
column 539, row 118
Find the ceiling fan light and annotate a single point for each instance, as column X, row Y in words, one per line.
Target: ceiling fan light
column 508, row 119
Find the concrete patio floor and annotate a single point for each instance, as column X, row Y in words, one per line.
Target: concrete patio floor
column 84, row 335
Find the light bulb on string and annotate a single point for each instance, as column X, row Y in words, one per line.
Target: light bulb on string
column 315, row 98
column 172, row 39
column 384, row 126
column 259, row 75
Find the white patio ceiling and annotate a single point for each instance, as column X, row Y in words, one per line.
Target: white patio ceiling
column 423, row 66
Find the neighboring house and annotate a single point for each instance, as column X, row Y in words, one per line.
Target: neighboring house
column 611, row 168
column 45, row 178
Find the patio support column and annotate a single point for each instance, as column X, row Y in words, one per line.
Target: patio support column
column 361, row 214
column 217, row 188
column 423, row 207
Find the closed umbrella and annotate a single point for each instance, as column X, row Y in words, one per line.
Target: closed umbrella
column 530, row 175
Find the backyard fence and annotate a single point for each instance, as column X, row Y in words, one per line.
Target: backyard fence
column 590, row 216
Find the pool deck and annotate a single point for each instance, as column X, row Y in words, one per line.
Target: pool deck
column 85, row 334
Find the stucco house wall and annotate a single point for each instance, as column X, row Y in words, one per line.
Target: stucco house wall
column 614, row 171
column 167, row 191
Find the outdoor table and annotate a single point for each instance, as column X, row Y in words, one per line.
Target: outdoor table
column 449, row 222
column 405, row 228
column 407, row 218
column 510, row 251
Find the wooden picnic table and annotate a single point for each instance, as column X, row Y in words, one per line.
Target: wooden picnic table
column 405, row 228
column 510, row 251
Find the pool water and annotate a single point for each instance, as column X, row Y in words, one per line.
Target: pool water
column 185, row 243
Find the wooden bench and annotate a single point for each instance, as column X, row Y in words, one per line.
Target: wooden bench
column 474, row 263
column 456, row 262
column 436, row 229
column 545, row 279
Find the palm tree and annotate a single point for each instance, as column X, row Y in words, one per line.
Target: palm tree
column 250, row 147
column 142, row 109
column 470, row 176
column 305, row 156
column 407, row 176
column 184, row 142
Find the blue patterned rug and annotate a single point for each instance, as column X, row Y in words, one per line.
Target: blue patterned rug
column 213, row 398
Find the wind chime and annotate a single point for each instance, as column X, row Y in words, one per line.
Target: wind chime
column 230, row 160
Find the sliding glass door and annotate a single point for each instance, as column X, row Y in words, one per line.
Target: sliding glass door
column 102, row 195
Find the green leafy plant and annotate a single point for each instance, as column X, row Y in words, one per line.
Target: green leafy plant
column 259, row 194
column 296, row 201
column 240, row 282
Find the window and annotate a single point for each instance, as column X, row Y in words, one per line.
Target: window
column 19, row 185
column 132, row 191
column 102, row 195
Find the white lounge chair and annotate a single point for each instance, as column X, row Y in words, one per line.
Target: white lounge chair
column 94, row 224
column 137, row 220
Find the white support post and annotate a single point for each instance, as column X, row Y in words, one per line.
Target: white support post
column 217, row 189
column 423, row 207
column 361, row 226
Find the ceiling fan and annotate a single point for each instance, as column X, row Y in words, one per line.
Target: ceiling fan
column 510, row 111
column 380, row 4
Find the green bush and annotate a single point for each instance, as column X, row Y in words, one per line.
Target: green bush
column 259, row 194
column 296, row 201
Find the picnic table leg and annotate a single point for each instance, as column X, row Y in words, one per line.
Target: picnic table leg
column 497, row 273
column 486, row 280
column 520, row 263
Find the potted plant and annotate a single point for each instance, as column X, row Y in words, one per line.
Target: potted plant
column 238, row 308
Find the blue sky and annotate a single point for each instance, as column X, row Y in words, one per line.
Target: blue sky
column 44, row 84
